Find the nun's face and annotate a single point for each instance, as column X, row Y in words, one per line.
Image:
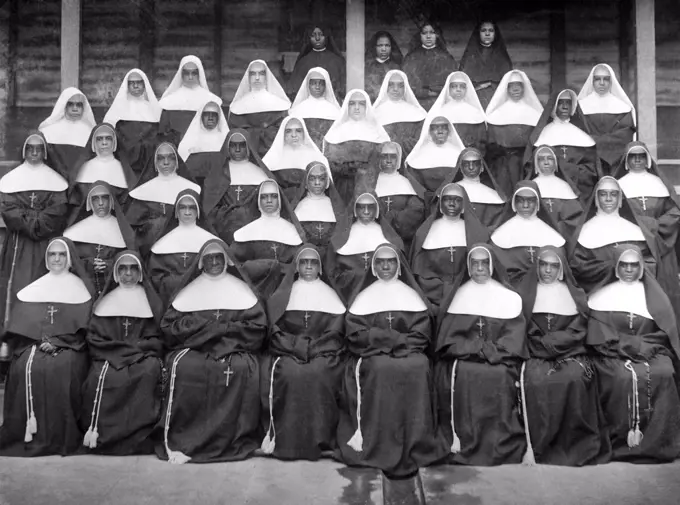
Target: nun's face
column 103, row 142
column 56, row 258
column 257, row 76
column 457, row 90
column 428, row 36
column 383, row 48
column 293, row 134
column 357, row 107
column 317, row 87
column 471, row 167
column 602, row 81
column 136, row 85
column 269, row 201
column 563, row 109
column 487, row 34
column 386, row 268
column 317, row 180
column 452, row 205
column 129, row 273
column 75, row 107
column 366, row 212
column 439, row 132
column 548, row 269
column 480, row 267
column 608, row 198
column 190, row 75
column 317, row 39
column 628, row 271
column 309, row 268
column 637, row 162
column 547, row 164
column 187, row 211
column 516, row 91
column 213, row 264
column 35, row 152
column 389, row 158
column 210, row 118
column 101, row 204
column 526, row 203
column 166, row 160
column 395, row 88
column 238, row 149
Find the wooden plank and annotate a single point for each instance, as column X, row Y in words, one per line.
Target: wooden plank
column 645, row 62
column 356, row 36
column 70, row 43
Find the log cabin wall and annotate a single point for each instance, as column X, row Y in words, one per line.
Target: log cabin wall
column 5, row 76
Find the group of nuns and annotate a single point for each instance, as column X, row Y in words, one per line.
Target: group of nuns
column 375, row 282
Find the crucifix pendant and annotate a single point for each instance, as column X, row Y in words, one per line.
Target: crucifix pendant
column 389, row 319
column 51, row 312
column 564, row 152
column 480, row 325
column 307, row 316
column 163, row 208
column 275, row 247
column 631, row 318
column 320, row 229
column 238, row 191
column 389, row 203
column 549, row 318
column 643, row 200
column 549, row 203
column 228, row 373
column 366, row 256
column 452, row 251
column 32, row 198
column 184, row 259
column 126, row 324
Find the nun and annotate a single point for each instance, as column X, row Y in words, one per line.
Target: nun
column 382, row 55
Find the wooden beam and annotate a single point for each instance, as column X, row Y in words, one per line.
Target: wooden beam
column 147, row 37
column 625, row 44
column 558, row 47
column 356, row 35
column 70, row 42
column 217, row 47
column 645, row 73
column 12, row 43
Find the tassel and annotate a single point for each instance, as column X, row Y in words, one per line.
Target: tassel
column 455, row 445
column 357, row 440
column 269, row 442
column 637, row 436
column 634, row 434
column 174, row 457
column 33, row 424
column 87, row 439
column 91, row 436
column 93, row 440
column 631, row 438
column 177, row 457
column 529, row 459
column 28, row 437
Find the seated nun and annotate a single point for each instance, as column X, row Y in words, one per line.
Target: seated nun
column 652, row 197
column 564, row 423
column 558, row 192
column 399, row 111
column 440, row 249
column 633, row 330
column 315, row 102
column 519, row 238
column 386, row 415
column 259, row 106
column 435, row 155
column 485, row 194
column 563, row 127
column 480, row 346
column 34, row 209
column 122, row 392
column 67, row 131
column 173, row 253
column 292, row 150
column 609, row 221
column 458, row 102
column 362, row 229
column 99, row 231
column 610, row 115
column 135, row 114
column 151, row 204
column 202, row 147
column 318, row 206
column 381, row 55
column 302, row 373
column 102, row 161
column 187, row 94
column 351, row 145
column 511, row 116
column 401, row 198
column 47, row 334
column 264, row 246
column 214, row 330
column 230, row 187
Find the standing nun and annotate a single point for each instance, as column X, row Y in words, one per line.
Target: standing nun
column 382, row 55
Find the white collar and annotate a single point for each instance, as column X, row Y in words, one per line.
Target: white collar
column 356, row 130
column 460, row 111
column 280, row 156
column 363, row 238
column 66, row 132
column 312, row 208
column 427, row 154
column 107, row 169
column 271, row 228
column 638, row 184
column 314, row 296
column 125, row 302
column 490, row 299
column 520, row 232
column 188, row 99
column 393, row 184
column 97, row 230
column 163, row 189
column 604, row 229
column 554, row 298
column 127, row 108
column 199, row 140
column 480, row 193
column 387, row 296
column 607, row 104
column 552, row 186
column 563, row 133
column 621, row 296
column 592, row 107
column 185, row 238
column 254, row 102
column 316, row 108
column 246, row 173
column 225, row 292
column 27, row 177
column 446, row 233
column 511, row 112
column 56, row 288
column 407, row 110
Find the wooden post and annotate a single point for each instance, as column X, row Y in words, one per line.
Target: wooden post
column 217, row 47
column 625, row 44
column 645, row 73
column 70, row 43
column 12, row 42
column 147, row 38
column 558, row 47
column 356, row 35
